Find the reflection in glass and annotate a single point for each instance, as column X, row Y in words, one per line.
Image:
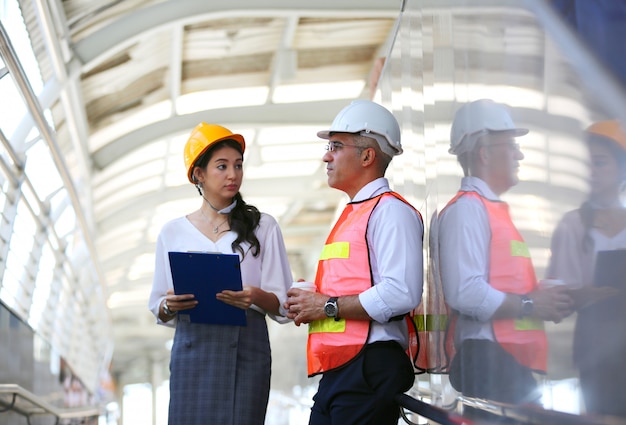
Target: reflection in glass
column 518, row 54
column 486, row 270
column 589, row 256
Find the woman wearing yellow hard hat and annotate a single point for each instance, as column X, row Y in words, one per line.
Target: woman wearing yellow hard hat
column 589, row 255
column 221, row 373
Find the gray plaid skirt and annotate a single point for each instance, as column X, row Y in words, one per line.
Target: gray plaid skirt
column 220, row 374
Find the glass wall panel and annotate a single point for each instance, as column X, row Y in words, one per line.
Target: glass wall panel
column 517, row 162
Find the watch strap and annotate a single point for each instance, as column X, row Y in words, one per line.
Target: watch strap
column 526, row 306
column 167, row 310
column 331, row 309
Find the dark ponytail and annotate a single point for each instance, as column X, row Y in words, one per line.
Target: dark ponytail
column 244, row 218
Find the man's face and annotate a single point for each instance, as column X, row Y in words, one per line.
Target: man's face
column 503, row 156
column 343, row 163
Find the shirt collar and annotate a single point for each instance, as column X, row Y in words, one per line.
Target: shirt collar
column 475, row 184
column 373, row 188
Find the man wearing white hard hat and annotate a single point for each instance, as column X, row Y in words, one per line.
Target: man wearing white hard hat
column 369, row 277
column 486, row 271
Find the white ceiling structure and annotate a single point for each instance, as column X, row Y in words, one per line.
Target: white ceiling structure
column 143, row 73
column 128, row 80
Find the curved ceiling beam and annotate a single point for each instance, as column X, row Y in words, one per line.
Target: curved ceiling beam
column 304, row 187
column 130, row 25
column 319, row 113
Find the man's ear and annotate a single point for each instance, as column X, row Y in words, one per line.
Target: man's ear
column 368, row 156
column 483, row 155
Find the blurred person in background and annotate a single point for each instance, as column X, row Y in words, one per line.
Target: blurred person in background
column 487, row 274
column 599, row 225
column 220, row 374
column 369, row 277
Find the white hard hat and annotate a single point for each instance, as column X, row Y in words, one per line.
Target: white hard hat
column 369, row 119
column 477, row 118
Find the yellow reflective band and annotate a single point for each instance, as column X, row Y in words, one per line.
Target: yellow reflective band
column 519, row 249
column 431, row 322
column 329, row 325
column 336, row 250
column 529, row 324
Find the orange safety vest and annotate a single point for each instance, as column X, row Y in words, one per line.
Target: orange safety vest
column 343, row 269
column 511, row 271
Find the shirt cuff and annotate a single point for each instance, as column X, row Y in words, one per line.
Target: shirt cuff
column 375, row 306
column 493, row 301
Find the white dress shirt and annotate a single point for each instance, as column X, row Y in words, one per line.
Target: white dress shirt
column 269, row 271
column 464, row 248
column 394, row 236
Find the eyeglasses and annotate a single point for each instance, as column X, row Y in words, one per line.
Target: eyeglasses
column 333, row 146
column 510, row 145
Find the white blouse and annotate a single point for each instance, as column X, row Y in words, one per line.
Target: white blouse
column 269, row 271
column 569, row 262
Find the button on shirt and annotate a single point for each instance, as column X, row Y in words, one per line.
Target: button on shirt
column 394, row 236
column 464, row 248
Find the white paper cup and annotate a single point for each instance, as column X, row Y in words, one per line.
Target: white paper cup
column 307, row 286
column 549, row 283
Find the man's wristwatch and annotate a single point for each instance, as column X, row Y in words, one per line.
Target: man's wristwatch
column 527, row 306
column 167, row 310
column 331, row 309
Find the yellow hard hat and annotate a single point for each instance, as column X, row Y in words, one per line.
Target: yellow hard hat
column 204, row 136
column 611, row 129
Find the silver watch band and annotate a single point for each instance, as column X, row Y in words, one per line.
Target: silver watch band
column 167, row 310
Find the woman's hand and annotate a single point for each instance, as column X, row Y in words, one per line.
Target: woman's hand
column 587, row 295
column 241, row 299
column 175, row 303
column 181, row 302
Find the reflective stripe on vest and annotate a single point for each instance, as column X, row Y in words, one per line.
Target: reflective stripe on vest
column 511, row 271
column 343, row 269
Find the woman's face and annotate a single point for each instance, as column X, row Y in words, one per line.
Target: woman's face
column 606, row 173
column 222, row 176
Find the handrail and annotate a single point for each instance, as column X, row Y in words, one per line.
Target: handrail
column 535, row 414
column 428, row 411
column 36, row 406
column 522, row 414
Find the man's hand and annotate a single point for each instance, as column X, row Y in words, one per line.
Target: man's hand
column 305, row 306
column 553, row 303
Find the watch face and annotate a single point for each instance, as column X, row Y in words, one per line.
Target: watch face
column 330, row 308
column 527, row 306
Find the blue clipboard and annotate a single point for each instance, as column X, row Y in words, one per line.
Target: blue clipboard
column 204, row 275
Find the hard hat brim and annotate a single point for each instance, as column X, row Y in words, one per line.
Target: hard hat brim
column 236, row 137
column 325, row 134
column 610, row 129
column 516, row 132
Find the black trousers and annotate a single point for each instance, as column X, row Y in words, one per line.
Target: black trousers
column 483, row 369
column 362, row 392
